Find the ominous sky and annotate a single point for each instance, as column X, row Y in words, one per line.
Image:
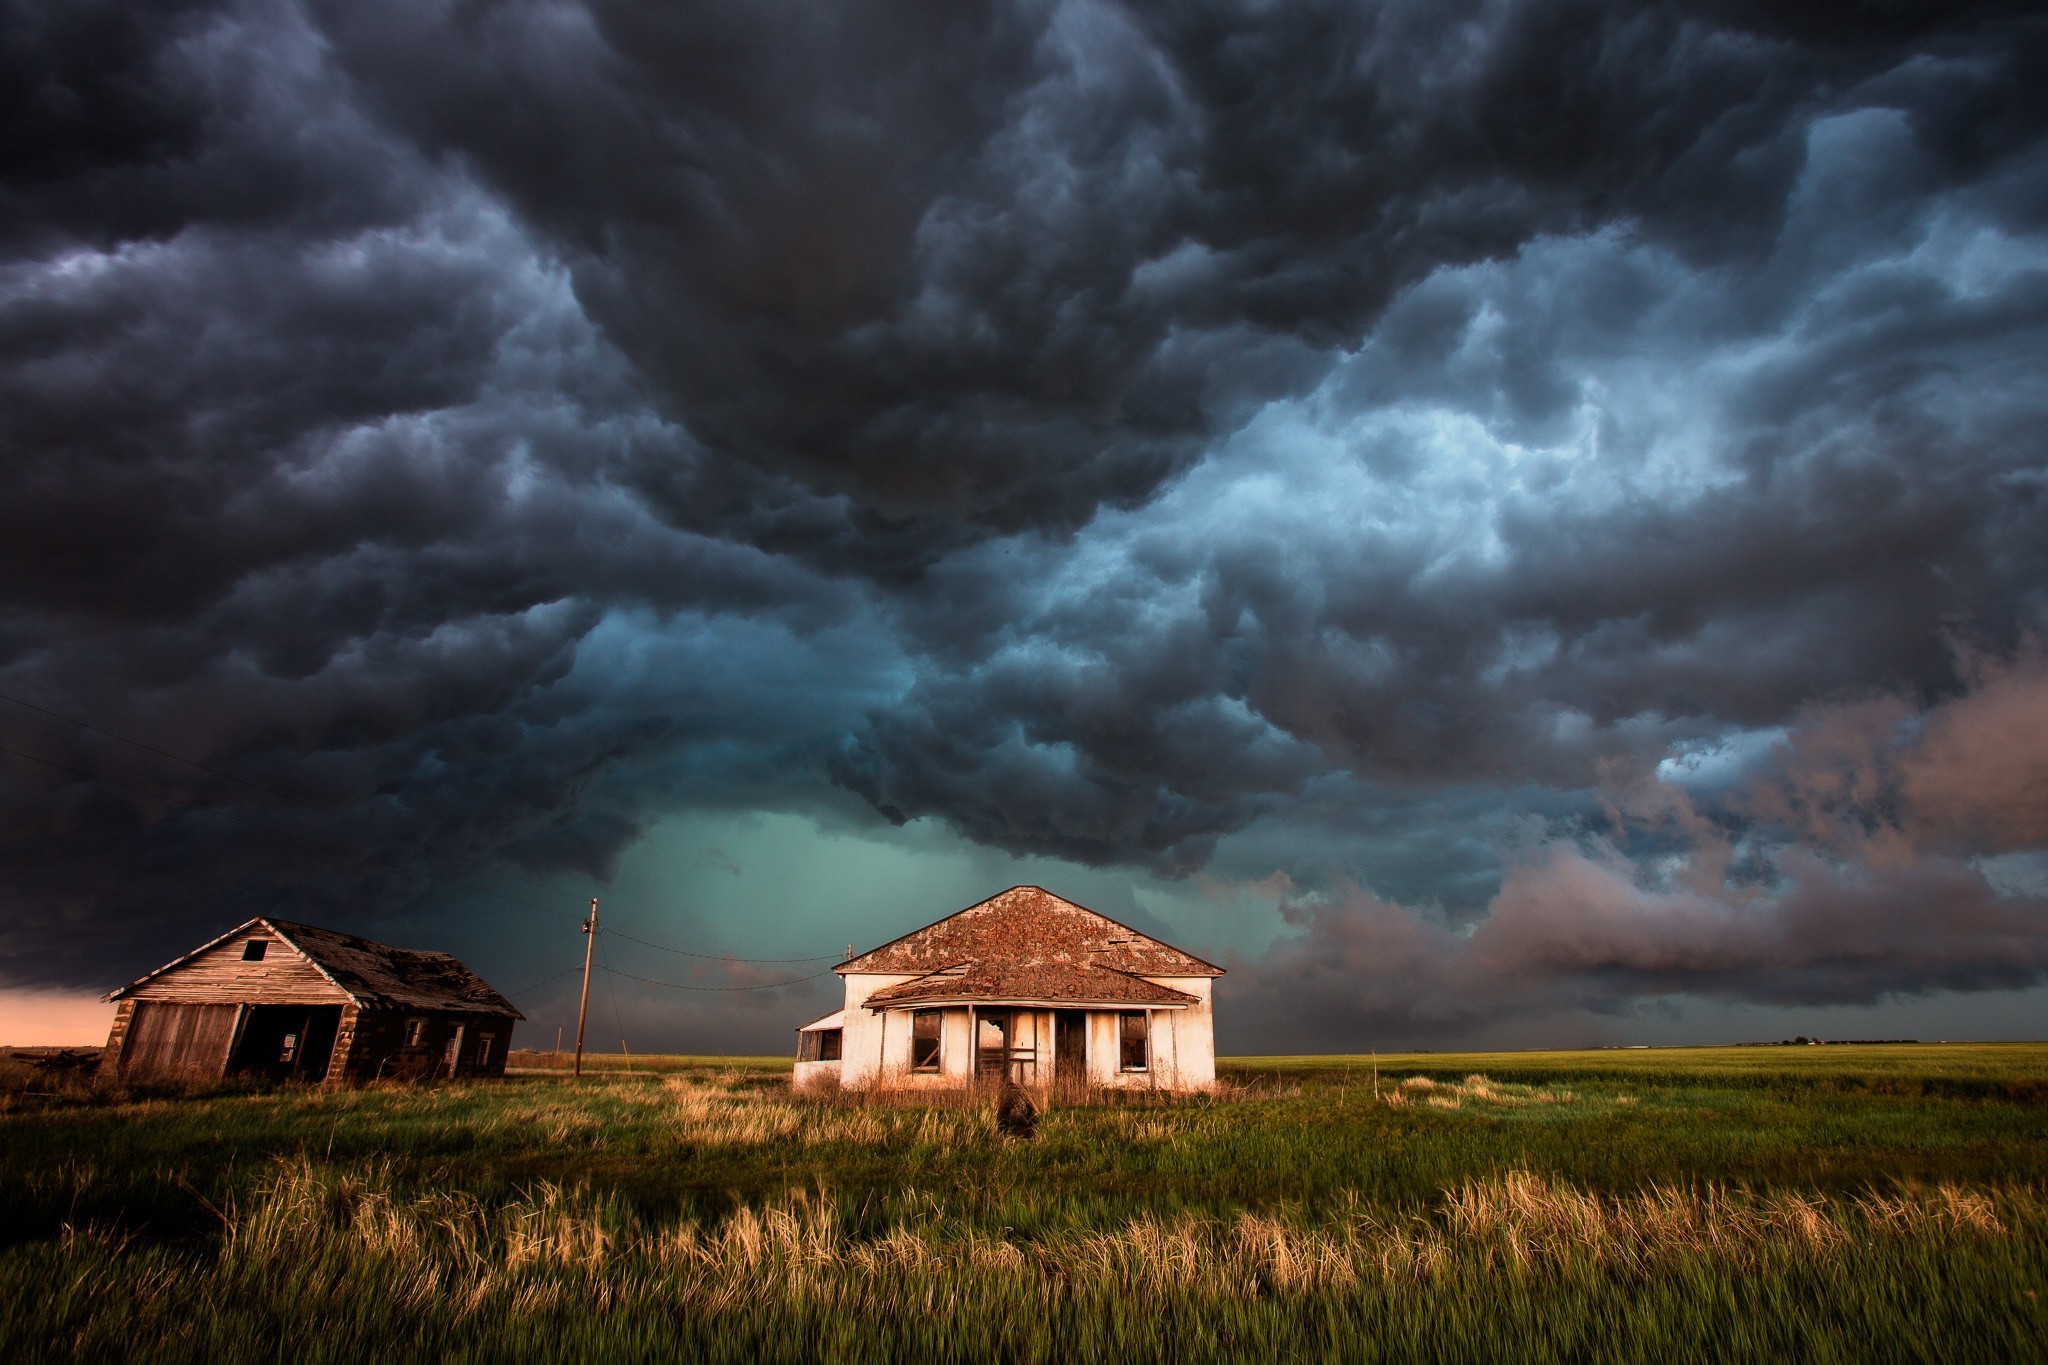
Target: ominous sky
column 1512, row 522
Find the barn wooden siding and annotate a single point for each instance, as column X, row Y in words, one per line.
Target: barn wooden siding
column 169, row 1039
column 378, row 1050
column 219, row 974
column 189, row 1018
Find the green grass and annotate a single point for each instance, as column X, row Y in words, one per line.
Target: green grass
column 1828, row 1202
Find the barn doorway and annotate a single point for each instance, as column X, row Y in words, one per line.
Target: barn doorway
column 1070, row 1049
column 288, row 1042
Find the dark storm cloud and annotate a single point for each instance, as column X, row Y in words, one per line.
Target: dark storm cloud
column 1845, row 878
column 1000, row 265
column 310, row 459
column 1156, row 435
column 1589, row 502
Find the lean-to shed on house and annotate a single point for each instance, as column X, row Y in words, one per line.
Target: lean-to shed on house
column 295, row 1002
column 1026, row 986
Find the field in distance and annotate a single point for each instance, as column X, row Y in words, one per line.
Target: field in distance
column 1856, row 1202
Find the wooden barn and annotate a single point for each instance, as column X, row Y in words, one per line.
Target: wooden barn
column 295, row 1002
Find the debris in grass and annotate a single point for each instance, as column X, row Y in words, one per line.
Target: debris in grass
column 1016, row 1116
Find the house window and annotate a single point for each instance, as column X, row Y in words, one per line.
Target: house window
column 924, row 1039
column 483, row 1048
column 415, row 1030
column 1133, row 1040
column 253, row 950
column 290, row 1048
column 818, row 1045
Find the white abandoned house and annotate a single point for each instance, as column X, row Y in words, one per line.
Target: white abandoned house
column 294, row 1002
column 1026, row 986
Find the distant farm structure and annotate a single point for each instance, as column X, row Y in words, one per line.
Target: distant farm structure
column 295, row 1002
column 1024, row 988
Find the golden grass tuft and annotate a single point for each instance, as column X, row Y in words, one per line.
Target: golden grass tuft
column 1476, row 1090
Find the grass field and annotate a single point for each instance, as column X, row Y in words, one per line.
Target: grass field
column 1848, row 1203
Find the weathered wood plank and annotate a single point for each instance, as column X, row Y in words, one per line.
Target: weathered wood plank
column 283, row 977
column 173, row 1039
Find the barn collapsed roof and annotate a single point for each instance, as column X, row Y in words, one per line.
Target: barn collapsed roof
column 1026, row 945
column 374, row 975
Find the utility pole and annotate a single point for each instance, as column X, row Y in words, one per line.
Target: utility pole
column 583, row 1006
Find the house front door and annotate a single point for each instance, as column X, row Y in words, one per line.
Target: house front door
column 1070, row 1048
column 991, row 1045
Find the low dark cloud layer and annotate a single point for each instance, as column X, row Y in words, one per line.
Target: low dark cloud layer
column 1843, row 868
column 1322, row 439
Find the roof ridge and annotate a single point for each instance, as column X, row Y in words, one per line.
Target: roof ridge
column 281, row 928
column 908, row 933
column 1144, row 938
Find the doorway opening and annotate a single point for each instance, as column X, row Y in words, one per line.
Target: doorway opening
column 1070, row 1050
column 991, row 1046
column 287, row 1042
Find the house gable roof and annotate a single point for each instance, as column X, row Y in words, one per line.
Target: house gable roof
column 1029, row 924
column 374, row 975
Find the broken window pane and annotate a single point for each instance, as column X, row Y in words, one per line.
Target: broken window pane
column 253, row 950
column 1132, row 1039
column 924, row 1040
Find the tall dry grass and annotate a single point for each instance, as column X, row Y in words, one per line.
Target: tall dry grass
column 1521, row 1224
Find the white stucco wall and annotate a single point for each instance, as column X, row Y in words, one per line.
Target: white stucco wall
column 862, row 1049
column 954, row 1060
column 1192, row 1030
column 816, row 1076
column 876, row 1047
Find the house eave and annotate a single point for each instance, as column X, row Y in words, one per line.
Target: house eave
column 1025, row 1002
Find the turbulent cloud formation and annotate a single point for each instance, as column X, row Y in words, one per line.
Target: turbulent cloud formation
column 1837, row 870
column 1323, row 439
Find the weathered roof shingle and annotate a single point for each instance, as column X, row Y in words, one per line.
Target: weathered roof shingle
column 380, row 976
column 1030, row 924
column 1027, row 945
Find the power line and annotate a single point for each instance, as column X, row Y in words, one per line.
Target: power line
column 722, row 957
column 379, row 830
column 764, row 986
column 415, row 872
column 544, row 981
column 273, row 829
column 226, row 776
column 612, row 989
